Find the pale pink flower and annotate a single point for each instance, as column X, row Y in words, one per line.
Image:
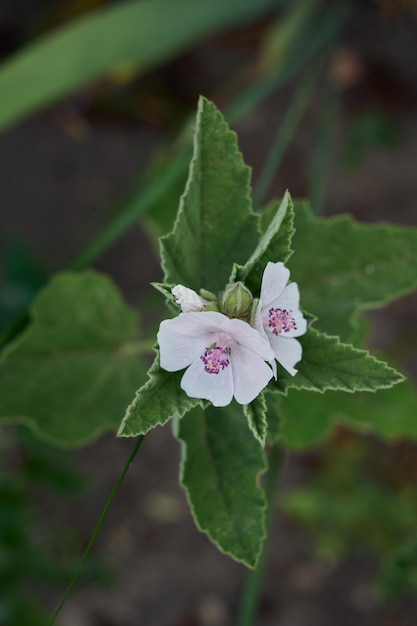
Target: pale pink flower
column 224, row 357
column 278, row 316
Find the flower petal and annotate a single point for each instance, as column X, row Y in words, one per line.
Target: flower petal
column 274, row 279
column 250, row 374
column 244, row 335
column 258, row 324
column 290, row 299
column 288, row 351
column 218, row 388
column 201, row 323
column 177, row 348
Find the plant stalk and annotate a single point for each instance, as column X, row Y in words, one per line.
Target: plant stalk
column 254, row 579
column 96, row 531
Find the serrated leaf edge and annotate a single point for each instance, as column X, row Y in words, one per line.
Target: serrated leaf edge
column 243, row 271
column 199, row 526
column 248, row 414
column 365, row 353
column 193, row 403
column 202, row 103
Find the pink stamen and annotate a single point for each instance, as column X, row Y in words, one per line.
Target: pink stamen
column 215, row 359
column 281, row 320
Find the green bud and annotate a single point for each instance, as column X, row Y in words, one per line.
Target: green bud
column 253, row 310
column 208, row 295
column 236, row 301
column 211, row 306
column 210, row 300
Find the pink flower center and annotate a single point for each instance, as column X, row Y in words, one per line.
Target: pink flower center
column 215, row 359
column 281, row 320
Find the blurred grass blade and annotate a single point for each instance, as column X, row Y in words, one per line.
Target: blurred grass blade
column 283, row 137
column 286, row 32
column 132, row 33
column 170, row 175
column 140, row 203
column 322, row 154
column 321, row 33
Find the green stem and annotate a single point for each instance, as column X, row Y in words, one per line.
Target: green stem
column 96, row 530
column 253, row 584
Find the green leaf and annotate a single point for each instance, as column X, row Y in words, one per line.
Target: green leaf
column 275, row 245
column 329, row 364
column 70, row 374
column 221, row 465
column 131, row 36
column 166, row 290
column 256, row 415
column 215, row 226
column 343, row 267
column 304, row 423
column 391, row 413
column 274, row 417
column 311, row 418
column 156, row 402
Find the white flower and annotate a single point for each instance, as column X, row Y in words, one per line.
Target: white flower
column 278, row 316
column 188, row 299
column 224, row 357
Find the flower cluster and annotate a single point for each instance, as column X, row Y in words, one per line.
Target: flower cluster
column 229, row 348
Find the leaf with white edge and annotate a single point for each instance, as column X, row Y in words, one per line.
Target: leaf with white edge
column 215, row 225
column 275, row 244
column 156, row 402
column 274, row 417
column 256, row 415
column 166, row 290
column 220, row 469
column 279, row 248
column 329, row 364
column 344, row 267
column 70, row 374
column 311, row 418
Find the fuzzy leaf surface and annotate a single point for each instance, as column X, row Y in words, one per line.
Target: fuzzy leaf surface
column 70, row 374
column 343, row 267
column 256, row 416
column 215, row 226
column 221, row 464
column 329, row 364
column 275, row 244
column 156, row 402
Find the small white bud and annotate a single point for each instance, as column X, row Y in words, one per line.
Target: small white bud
column 188, row 299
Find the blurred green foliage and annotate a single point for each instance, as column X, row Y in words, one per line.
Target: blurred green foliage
column 368, row 132
column 355, row 503
column 33, row 555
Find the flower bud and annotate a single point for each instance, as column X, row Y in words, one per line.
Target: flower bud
column 208, row 295
column 236, row 301
column 188, row 299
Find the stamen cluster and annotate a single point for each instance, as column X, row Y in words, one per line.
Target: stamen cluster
column 235, row 337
